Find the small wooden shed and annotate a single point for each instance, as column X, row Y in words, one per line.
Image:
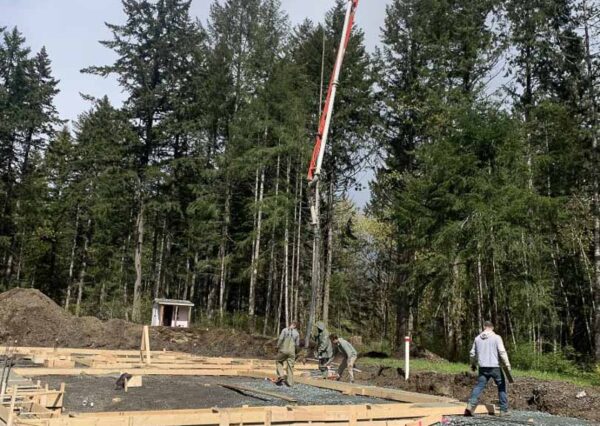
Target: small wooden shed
column 172, row 313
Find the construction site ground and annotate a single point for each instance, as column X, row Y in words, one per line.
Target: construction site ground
column 29, row 318
column 94, row 394
column 98, row 394
column 553, row 397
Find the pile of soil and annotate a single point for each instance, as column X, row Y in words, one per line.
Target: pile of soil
column 554, row 397
column 30, row 318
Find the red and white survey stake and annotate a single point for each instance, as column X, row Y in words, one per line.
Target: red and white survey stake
column 407, row 341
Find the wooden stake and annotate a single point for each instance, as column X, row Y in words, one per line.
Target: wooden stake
column 13, row 400
column 145, row 345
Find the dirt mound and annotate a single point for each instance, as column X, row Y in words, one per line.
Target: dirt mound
column 30, row 318
column 558, row 398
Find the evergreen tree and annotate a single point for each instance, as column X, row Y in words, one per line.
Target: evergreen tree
column 28, row 121
column 153, row 49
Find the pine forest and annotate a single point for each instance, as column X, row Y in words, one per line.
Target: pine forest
column 478, row 120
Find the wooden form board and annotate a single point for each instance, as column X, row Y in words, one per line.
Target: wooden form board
column 144, row 371
column 30, row 402
column 249, row 391
column 107, row 359
column 363, row 415
column 414, row 409
column 374, row 391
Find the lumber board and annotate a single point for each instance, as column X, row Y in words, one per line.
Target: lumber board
column 58, row 363
column 363, row 414
column 134, row 382
column 246, row 389
column 4, row 413
column 86, row 355
column 373, row 391
column 166, row 366
column 146, row 371
column 31, row 350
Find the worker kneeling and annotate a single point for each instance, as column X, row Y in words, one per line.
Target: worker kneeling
column 287, row 345
column 348, row 353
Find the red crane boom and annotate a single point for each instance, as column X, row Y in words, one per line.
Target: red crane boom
column 314, row 170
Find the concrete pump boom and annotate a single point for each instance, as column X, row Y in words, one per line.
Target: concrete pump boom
column 314, row 170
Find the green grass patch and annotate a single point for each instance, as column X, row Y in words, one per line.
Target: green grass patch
column 445, row 367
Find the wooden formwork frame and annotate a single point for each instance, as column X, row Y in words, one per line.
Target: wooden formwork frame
column 409, row 408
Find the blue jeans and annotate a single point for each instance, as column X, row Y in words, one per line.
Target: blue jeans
column 485, row 374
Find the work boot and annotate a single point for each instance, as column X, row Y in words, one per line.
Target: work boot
column 469, row 411
column 505, row 413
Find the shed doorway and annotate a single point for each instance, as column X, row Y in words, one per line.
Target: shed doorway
column 167, row 316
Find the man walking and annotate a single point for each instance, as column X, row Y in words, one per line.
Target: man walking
column 488, row 353
column 324, row 351
column 288, row 342
column 348, row 352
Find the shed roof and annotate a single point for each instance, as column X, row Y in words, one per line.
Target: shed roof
column 173, row 302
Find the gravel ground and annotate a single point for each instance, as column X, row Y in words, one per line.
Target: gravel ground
column 526, row 394
column 518, row 418
column 98, row 393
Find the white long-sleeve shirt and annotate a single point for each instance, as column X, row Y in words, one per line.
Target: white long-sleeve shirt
column 488, row 350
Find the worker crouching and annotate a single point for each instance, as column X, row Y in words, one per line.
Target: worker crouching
column 287, row 346
column 349, row 355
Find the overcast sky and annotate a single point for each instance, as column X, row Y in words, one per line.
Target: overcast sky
column 70, row 30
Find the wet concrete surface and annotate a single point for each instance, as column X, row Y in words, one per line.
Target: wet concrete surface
column 97, row 393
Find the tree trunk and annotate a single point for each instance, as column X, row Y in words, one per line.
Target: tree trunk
column 188, row 276
column 256, row 255
column 293, row 260
column 316, row 269
column 298, row 246
column 136, row 311
column 595, row 184
column 286, row 254
column 86, row 240
column 193, row 279
column 479, row 293
column 271, row 259
column 329, row 265
column 19, row 264
column 278, row 316
column 223, row 252
column 159, row 263
column 269, row 285
column 72, row 261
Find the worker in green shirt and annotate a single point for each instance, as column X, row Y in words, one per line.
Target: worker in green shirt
column 287, row 347
column 348, row 353
column 324, row 349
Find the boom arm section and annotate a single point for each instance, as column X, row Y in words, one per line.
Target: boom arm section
column 316, row 161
